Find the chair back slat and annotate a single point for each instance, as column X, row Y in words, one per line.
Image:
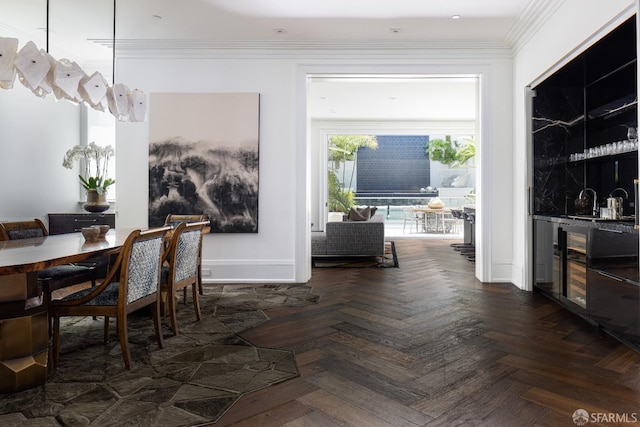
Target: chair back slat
column 16, row 230
column 173, row 220
column 186, row 257
column 143, row 268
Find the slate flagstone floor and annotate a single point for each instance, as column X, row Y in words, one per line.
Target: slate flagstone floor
column 194, row 380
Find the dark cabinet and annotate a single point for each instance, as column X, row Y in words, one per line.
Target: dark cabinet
column 585, row 119
column 615, row 305
column 549, row 257
column 561, row 262
column 584, row 141
column 613, row 284
column 60, row 223
column 591, row 268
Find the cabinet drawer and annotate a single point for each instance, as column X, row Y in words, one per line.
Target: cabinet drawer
column 71, row 223
column 615, row 304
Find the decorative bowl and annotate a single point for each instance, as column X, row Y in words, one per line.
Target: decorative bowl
column 90, row 233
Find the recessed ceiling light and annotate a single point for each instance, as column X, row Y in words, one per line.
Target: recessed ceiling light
column 455, row 17
column 156, row 17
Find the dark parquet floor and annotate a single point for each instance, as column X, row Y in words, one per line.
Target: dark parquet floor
column 427, row 344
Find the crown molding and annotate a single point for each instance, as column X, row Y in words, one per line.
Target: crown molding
column 189, row 48
column 532, row 18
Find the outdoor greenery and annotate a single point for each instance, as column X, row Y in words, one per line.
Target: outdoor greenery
column 344, row 148
column 339, row 200
column 450, row 153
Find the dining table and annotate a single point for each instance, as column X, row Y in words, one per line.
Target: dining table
column 24, row 336
column 433, row 220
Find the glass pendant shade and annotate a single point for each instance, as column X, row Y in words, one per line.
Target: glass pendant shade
column 46, row 85
column 138, row 106
column 118, row 100
column 32, row 66
column 8, row 52
column 42, row 74
column 93, row 90
column 66, row 78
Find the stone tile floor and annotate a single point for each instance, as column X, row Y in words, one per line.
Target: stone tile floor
column 194, row 380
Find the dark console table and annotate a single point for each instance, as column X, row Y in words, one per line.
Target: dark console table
column 61, row 223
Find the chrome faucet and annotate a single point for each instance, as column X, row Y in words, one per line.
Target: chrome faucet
column 626, row 194
column 595, row 210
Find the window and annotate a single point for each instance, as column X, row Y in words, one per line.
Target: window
column 100, row 127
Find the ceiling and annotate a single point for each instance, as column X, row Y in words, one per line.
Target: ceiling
column 78, row 24
column 83, row 31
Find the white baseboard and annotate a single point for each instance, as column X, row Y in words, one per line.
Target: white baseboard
column 248, row 271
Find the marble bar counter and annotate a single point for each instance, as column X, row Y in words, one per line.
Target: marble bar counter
column 625, row 225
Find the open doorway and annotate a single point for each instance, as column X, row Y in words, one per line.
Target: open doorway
column 405, row 112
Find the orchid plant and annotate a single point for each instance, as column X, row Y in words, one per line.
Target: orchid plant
column 96, row 163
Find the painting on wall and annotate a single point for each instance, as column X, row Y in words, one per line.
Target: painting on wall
column 203, row 158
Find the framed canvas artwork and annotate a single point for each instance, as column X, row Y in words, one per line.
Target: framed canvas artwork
column 203, row 158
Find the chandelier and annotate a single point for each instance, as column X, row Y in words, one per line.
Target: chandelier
column 44, row 75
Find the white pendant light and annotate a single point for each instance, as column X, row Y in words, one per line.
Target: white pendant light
column 138, row 106
column 93, row 90
column 118, row 100
column 66, row 78
column 41, row 73
column 32, row 66
column 8, row 52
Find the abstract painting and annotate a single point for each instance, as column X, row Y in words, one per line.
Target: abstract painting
column 203, row 158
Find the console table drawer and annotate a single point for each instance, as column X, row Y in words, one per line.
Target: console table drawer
column 60, row 223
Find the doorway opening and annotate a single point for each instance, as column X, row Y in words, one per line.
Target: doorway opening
column 404, row 113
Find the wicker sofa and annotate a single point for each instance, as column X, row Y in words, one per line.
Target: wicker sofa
column 350, row 238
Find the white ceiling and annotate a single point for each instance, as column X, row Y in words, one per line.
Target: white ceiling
column 82, row 30
column 75, row 23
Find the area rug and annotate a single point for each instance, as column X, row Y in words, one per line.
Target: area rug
column 389, row 260
column 193, row 380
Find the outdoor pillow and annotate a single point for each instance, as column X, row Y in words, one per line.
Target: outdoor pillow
column 356, row 214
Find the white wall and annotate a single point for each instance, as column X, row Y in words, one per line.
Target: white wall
column 279, row 252
column 262, row 257
column 575, row 25
column 35, row 134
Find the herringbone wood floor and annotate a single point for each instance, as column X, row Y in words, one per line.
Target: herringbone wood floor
column 428, row 345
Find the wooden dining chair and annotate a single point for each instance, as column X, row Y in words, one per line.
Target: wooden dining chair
column 181, row 269
column 53, row 278
column 173, row 220
column 132, row 283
